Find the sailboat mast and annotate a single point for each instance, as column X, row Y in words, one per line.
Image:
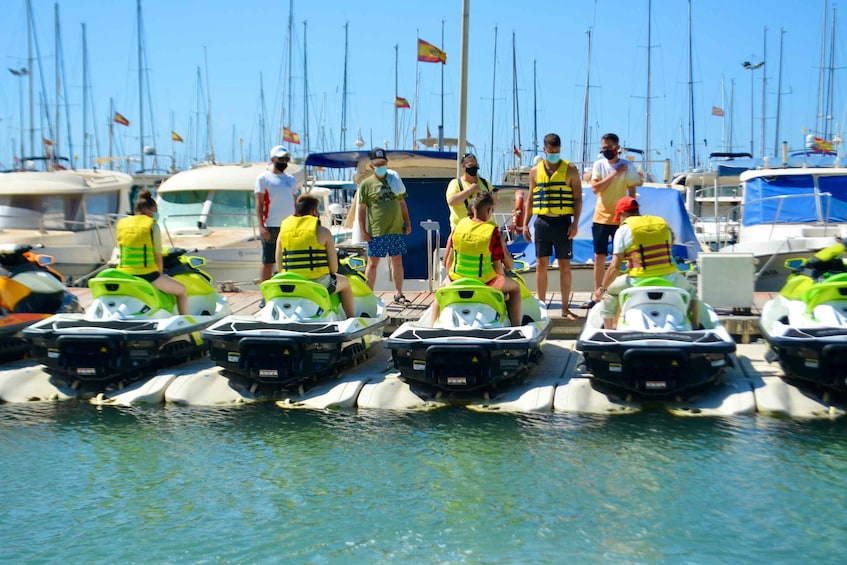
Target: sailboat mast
column 305, row 94
column 493, row 92
column 396, row 92
column 140, row 93
column 84, row 99
column 778, row 94
column 54, row 150
column 263, row 134
column 441, row 125
column 209, row 107
column 534, row 107
column 649, row 63
column 693, row 159
column 463, row 86
column 289, row 106
column 343, row 142
column 764, row 83
column 516, row 115
column 819, row 123
column 29, row 34
column 827, row 134
column 584, row 157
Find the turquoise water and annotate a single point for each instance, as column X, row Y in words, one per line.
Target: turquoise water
column 259, row 484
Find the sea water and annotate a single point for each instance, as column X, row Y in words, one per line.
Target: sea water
column 260, row 484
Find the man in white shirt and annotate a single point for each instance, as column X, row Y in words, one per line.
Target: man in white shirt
column 275, row 200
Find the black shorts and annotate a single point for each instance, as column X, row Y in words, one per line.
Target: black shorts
column 602, row 234
column 552, row 232
column 150, row 277
column 269, row 247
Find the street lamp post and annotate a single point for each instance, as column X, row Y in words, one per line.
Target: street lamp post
column 751, row 67
column 21, row 73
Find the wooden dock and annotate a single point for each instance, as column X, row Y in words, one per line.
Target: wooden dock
column 743, row 326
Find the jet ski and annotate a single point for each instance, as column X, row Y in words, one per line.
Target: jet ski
column 654, row 351
column 805, row 325
column 300, row 334
column 131, row 327
column 30, row 290
column 471, row 346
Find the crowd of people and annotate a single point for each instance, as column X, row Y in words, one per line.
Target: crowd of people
column 476, row 249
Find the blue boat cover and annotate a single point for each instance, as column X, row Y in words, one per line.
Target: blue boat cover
column 762, row 205
column 664, row 202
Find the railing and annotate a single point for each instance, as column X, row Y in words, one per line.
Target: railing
column 202, row 220
column 88, row 226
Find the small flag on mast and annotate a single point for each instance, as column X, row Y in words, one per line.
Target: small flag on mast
column 290, row 136
column 401, row 102
column 717, row 111
column 176, row 137
column 429, row 53
column 120, row 119
column 47, row 142
column 516, row 151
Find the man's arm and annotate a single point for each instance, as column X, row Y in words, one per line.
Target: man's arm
column 598, row 186
column 363, row 221
column 278, row 260
column 527, row 235
column 458, row 195
column 405, row 210
column 576, row 190
column 260, row 213
column 325, row 239
column 508, row 262
column 448, row 254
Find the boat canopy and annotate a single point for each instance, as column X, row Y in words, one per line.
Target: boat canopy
column 795, row 198
column 351, row 159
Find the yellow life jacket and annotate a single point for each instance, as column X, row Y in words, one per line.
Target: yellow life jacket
column 649, row 254
column 462, row 210
column 135, row 243
column 552, row 196
column 300, row 251
column 471, row 251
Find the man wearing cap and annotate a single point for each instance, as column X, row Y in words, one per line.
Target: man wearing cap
column 645, row 242
column 611, row 179
column 461, row 190
column 384, row 220
column 275, row 200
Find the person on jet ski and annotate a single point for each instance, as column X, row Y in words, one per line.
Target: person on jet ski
column 645, row 242
column 476, row 250
column 140, row 247
column 306, row 248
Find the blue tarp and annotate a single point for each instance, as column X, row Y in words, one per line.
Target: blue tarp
column 663, row 202
column 791, row 199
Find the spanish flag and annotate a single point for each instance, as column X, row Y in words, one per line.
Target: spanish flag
column 516, row 152
column 120, row 119
column 47, row 142
column 290, row 136
column 401, row 102
column 717, row 111
column 176, row 137
column 429, row 53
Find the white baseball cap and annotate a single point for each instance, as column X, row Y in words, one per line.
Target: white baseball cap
column 279, row 151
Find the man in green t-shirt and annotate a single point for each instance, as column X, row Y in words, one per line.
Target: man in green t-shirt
column 384, row 220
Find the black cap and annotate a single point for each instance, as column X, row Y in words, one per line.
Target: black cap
column 378, row 153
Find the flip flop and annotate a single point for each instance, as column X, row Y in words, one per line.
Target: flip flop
column 570, row 316
column 588, row 305
column 400, row 299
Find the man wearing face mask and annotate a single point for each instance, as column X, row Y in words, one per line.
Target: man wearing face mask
column 275, row 199
column 611, row 179
column 556, row 199
column 461, row 191
column 384, row 221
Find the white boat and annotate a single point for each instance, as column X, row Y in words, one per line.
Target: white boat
column 211, row 208
column 789, row 212
column 72, row 213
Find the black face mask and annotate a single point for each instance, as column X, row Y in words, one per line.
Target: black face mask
column 472, row 171
column 609, row 153
column 280, row 166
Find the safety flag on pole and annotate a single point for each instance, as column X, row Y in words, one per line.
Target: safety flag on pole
column 176, row 137
column 429, row 53
column 120, row 119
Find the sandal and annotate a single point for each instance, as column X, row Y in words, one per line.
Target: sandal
column 570, row 316
column 400, row 299
column 588, row 305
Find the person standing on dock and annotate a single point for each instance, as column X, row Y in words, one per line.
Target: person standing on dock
column 306, row 248
column 384, row 221
column 646, row 243
column 556, row 198
column 275, row 201
column 461, row 190
column 611, row 179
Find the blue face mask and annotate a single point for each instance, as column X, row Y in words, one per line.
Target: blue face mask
column 553, row 158
column 156, row 216
column 381, row 171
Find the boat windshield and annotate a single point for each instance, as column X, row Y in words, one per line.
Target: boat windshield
column 795, row 199
column 57, row 212
column 212, row 208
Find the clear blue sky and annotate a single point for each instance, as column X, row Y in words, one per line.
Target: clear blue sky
column 246, row 38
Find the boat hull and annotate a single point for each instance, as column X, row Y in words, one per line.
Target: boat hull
column 815, row 356
column 655, row 364
column 466, row 359
column 281, row 354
